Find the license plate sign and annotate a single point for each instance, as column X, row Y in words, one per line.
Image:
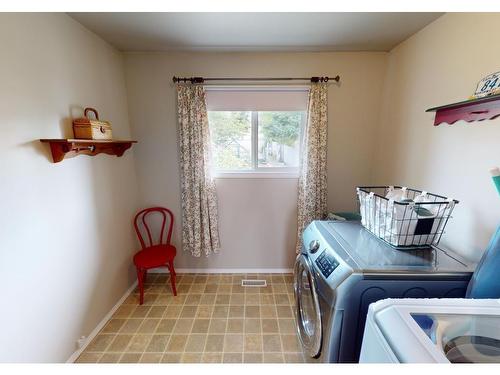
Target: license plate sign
column 489, row 85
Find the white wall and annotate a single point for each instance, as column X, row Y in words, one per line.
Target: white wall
column 65, row 229
column 439, row 65
column 257, row 216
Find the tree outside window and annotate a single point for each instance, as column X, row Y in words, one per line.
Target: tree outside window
column 276, row 135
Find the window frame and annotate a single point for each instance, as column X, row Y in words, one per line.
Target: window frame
column 262, row 172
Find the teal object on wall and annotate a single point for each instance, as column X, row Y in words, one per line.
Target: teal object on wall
column 495, row 175
column 496, row 181
column 485, row 282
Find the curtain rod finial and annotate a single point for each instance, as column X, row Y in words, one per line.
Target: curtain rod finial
column 188, row 79
column 324, row 79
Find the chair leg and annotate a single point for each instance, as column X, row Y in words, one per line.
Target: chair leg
column 172, row 276
column 140, row 282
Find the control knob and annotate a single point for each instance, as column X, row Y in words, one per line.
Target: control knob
column 313, row 246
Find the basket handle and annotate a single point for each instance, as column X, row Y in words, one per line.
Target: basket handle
column 89, row 109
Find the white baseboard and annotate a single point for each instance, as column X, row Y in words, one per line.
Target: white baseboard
column 223, row 270
column 101, row 324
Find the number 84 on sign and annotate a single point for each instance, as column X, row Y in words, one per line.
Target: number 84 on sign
column 489, row 85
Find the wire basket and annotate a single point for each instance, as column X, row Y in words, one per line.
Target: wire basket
column 404, row 217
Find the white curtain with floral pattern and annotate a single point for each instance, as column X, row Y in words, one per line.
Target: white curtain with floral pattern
column 200, row 232
column 312, row 180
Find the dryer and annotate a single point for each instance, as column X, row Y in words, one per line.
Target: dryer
column 342, row 268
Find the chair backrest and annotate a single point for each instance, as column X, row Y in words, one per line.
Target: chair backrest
column 140, row 219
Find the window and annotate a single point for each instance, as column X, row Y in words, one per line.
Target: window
column 256, row 131
column 278, row 141
column 231, row 137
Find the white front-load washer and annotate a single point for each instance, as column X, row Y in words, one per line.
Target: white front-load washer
column 432, row 331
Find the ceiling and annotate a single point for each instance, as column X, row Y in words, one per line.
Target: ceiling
column 254, row 31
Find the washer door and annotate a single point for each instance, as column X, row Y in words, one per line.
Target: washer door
column 308, row 312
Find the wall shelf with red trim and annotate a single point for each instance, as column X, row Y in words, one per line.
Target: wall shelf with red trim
column 486, row 108
column 67, row 148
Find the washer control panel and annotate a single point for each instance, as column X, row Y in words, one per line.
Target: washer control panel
column 326, row 263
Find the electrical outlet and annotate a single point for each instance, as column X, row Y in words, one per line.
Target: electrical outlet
column 81, row 341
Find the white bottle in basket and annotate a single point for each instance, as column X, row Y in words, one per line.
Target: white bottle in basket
column 396, row 216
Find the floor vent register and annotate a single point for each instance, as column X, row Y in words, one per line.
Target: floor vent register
column 253, row 283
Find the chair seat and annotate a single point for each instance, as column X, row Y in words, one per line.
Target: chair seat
column 154, row 256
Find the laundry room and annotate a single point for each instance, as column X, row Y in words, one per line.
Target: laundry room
column 245, row 185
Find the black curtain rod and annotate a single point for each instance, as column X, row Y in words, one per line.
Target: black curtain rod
column 202, row 79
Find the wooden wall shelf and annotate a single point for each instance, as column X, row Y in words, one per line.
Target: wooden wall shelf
column 67, row 148
column 486, row 108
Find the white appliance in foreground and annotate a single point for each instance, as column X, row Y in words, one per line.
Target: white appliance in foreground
column 432, row 331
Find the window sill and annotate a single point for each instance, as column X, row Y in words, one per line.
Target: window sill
column 256, row 175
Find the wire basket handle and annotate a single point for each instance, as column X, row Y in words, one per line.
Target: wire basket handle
column 89, row 109
column 451, row 204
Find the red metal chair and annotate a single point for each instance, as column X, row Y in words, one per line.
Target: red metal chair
column 154, row 255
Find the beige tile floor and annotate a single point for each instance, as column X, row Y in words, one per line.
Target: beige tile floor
column 212, row 319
